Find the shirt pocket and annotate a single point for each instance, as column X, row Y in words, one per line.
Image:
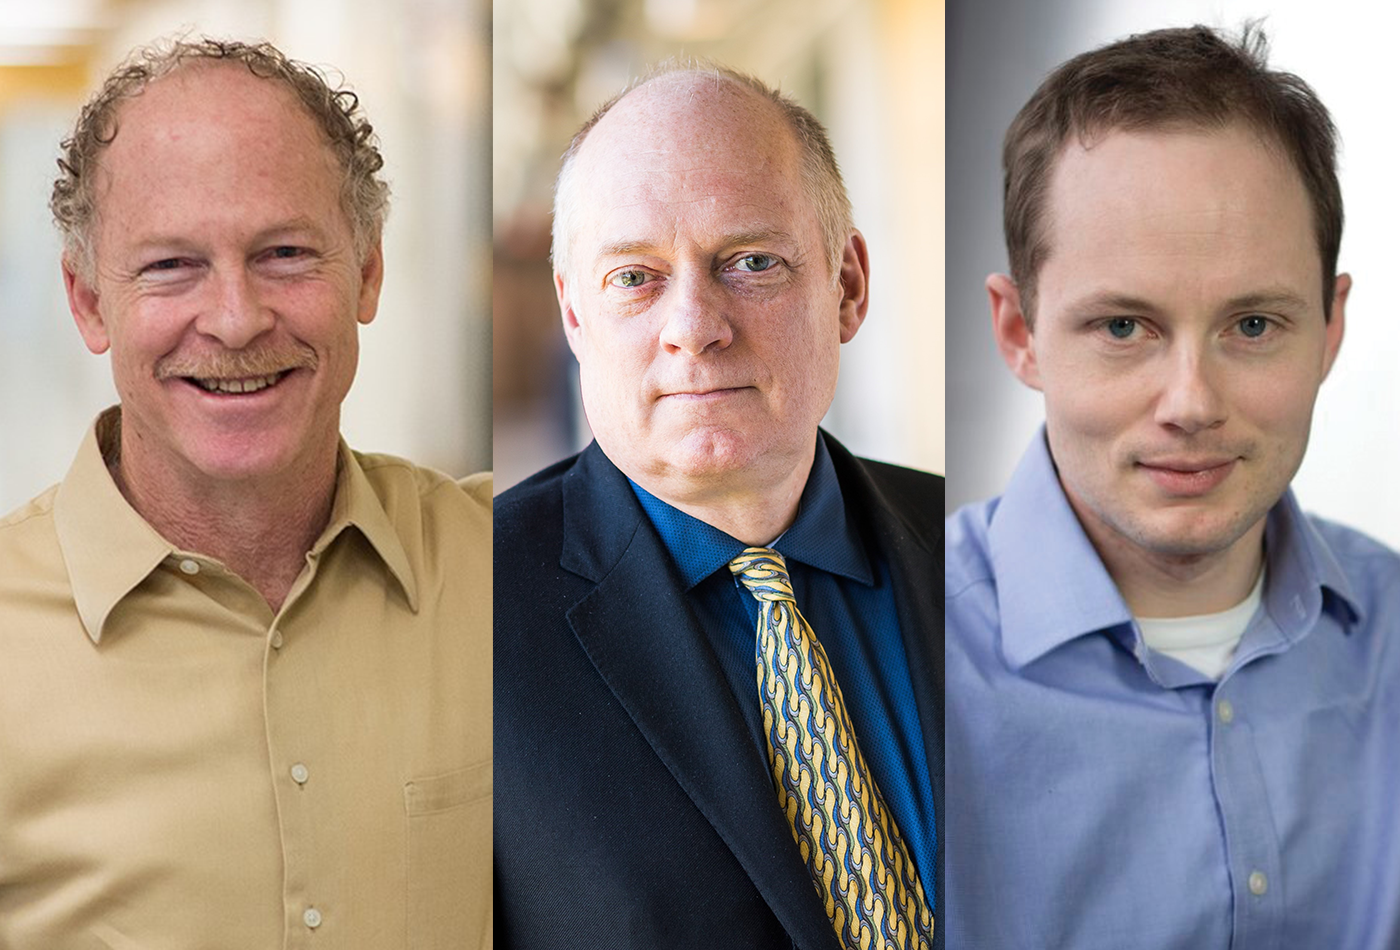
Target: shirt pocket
column 449, row 859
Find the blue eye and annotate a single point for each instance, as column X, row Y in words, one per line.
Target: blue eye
column 1254, row 326
column 755, row 262
column 286, row 252
column 1122, row 327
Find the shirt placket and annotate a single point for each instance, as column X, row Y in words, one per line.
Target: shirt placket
column 1257, row 881
column 295, row 778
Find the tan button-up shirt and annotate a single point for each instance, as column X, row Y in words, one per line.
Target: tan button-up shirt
column 181, row 768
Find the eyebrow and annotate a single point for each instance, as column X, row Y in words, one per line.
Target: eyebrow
column 1273, row 298
column 737, row 239
column 297, row 225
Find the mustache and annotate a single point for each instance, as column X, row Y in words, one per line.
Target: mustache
column 238, row 364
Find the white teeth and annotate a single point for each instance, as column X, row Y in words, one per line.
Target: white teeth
column 237, row 385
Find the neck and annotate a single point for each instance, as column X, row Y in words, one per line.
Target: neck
column 261, row 528
column 1161, row 585
column 756, row 512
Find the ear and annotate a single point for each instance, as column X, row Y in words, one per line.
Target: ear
column 1336, row 322
column 855, row 285
column 83, row 304
column 371, row 282
column 1014, row 338
column 573, row 330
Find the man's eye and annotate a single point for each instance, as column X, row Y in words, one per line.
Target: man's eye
column 629, row 278
column 287, row 253
column 755, row 262
column 1254, row 325
column 1121, row 327
column 169, row 263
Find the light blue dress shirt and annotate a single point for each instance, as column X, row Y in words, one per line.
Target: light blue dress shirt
column 1103, row 796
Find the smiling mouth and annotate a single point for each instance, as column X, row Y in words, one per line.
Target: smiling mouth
column 237, row 387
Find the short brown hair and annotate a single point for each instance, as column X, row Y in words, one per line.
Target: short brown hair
column 1192, row 77
column 364, row 196
column 820, row 173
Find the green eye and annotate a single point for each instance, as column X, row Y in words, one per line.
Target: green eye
column 755, row 262
column 630, row 278
column 1122, row 327
column 1254, row 326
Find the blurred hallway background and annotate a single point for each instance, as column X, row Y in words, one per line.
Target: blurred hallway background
column 421, row 69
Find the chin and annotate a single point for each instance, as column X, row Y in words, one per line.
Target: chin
column 235, row 460
column 1198, row 534
column 712, row 453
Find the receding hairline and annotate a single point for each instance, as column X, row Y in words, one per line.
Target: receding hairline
column 815, row 161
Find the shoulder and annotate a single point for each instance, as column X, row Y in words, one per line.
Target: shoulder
column 29, row 516
column 967, row 562
column 906, row 484
column 29, row 546
column 398, row 482
column 537, row 502
column 915, row 496
column 1371, row 569
column 447, row 520
column 1352, row 546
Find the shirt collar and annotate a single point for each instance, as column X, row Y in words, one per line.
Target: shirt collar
column 1052, row 587
column 358, row 504
column 821, row 536
column 109, row 549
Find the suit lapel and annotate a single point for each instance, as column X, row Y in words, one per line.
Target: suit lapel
column 642, row 636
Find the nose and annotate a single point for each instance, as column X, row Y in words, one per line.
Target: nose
column 233, row 313
column 1191, row 400
column 696, row 316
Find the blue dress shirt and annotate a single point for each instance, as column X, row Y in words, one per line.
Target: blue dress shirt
column 1103, row 796
column 842, row 586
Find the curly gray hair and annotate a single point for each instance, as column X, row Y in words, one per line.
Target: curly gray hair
column 364, row 196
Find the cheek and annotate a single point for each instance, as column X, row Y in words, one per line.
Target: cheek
column 1096, row 409
column 1279, row 404
column 140, row 336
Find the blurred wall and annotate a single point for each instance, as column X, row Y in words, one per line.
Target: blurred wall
column 871, row 70
column 421, row 70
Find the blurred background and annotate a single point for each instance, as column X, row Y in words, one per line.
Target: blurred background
column 421, row 69
column 1000, row 50
column 872, row 72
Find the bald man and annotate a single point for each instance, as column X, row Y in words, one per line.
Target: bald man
column 718, row 639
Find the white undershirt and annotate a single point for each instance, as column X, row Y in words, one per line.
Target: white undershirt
column 1206, row 642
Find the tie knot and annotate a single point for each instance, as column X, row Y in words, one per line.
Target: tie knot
column 764, row 572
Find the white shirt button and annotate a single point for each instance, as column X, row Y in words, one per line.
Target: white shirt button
column 1258, row 883
column 189, row 566
column 312, row 918
column 1225, row 711
column 277, row 639
column 300, row 774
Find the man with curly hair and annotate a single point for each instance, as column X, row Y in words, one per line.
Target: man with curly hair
column 244, row 671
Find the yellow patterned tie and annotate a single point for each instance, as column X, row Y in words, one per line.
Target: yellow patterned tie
column 846, row 835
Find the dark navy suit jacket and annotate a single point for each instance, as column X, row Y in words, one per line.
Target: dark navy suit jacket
column 631, row 807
